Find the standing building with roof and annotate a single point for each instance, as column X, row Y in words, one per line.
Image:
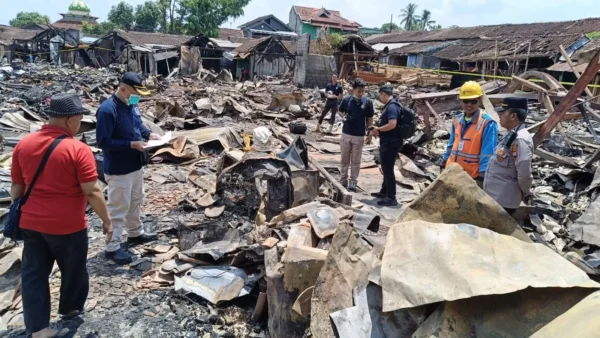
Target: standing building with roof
column 79, row 12
column 314, row 20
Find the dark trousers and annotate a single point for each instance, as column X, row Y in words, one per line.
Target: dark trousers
column 388, row 152
column 510, row 211
column 39, row 253
column 330, row 105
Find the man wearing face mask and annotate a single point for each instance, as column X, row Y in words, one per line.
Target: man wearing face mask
column 473, row 136
column 120, row 134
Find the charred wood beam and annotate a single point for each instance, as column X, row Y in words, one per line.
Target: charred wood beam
column 575, row 71
column 571, row 97
column 586, row 118
column 437, row 116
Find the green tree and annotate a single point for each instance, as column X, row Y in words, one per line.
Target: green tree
column 409, row 17
column 389, row 27
column 99, row 29
column 425, row 22
column 205, row 16
column 122, row 15
column 147, row 17
column 28, row 18
column 436, row 27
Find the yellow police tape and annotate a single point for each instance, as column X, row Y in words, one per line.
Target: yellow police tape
column 474, row 75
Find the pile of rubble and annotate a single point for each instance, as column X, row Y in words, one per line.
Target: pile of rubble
column 257, row 238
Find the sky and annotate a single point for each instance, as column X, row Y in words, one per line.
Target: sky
column 462, row 13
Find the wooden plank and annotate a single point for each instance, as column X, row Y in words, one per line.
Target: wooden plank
column 555, row 158
column 529, row 84
column 550, row 107
column 489, row 108
column 573, row 69
column 571, row 97
column 344, row 196
column 437, row 117
column 595, row 157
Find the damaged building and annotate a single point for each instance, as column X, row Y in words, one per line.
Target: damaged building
column 257, row 237
column 506, row 49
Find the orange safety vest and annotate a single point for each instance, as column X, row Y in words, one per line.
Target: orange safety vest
column 466, row 150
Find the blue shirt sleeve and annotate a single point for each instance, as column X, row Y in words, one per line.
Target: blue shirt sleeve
column 393, row 112
column 450, row 142
column 140, row 124
column 344, row 105
column 489, row 141
column 105, row 124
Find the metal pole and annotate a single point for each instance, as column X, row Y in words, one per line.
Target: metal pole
column 391, row 18
column 127, row 61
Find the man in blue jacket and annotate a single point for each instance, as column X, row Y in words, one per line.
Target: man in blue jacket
column 120, row 134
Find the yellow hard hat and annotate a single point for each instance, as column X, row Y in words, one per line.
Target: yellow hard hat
column 470, row 90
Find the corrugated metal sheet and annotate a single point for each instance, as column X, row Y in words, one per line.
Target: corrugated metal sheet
column 564, row 67
column 390, row 46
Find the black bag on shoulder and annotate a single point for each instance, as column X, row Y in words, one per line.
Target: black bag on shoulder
column 11, row 227
column 407, row 124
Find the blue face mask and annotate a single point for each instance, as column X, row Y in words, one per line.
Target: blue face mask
column 134, row 99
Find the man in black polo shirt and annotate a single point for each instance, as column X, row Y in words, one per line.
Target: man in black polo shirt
column 389, row 146
column 334, row 92
column 358, row 116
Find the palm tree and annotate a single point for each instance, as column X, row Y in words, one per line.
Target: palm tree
column 426, row 21
column 410, row 19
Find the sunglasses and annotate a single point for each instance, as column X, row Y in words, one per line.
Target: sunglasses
column 470, row 101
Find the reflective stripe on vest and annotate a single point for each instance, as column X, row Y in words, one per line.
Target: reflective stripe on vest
column 470, row 153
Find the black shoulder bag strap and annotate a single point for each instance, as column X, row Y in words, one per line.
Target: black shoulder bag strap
column 41, row 168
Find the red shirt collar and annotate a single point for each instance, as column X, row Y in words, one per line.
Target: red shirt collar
column 50, row 129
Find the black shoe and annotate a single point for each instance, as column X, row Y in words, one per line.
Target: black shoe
column 387, row 202
column 378, row 195
column 143, row 238
column 120, row 257
column 352, row 187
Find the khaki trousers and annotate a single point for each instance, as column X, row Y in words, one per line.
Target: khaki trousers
column 125, row 197
column 351, row 147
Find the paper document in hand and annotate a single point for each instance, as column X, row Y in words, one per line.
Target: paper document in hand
column 157, row 143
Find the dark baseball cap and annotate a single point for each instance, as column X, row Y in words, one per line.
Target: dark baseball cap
column 513, row 103
column 136, row 81
column 386, row 89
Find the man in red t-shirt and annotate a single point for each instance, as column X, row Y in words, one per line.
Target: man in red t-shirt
column 53, row 220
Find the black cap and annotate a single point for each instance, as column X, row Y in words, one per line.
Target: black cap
column 386, row 89
column 66, row 105
column 136, row 81
column 513, row 103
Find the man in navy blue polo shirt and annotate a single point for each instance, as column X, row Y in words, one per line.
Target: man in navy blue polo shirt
column 389, row 146
column 358, row 116
column 120, row 134
column 334, row 92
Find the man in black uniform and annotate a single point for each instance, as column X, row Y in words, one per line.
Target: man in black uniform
column 334, row 92
column 389, row 146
